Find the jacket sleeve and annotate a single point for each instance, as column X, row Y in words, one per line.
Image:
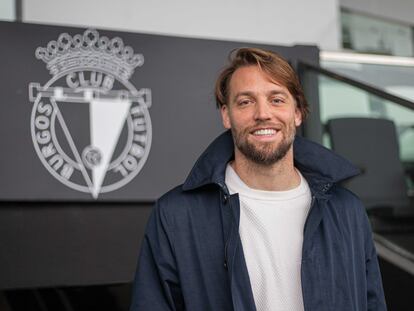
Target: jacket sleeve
column 375, row 292
column 156, row 286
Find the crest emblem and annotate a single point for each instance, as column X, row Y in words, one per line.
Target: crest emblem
column 90, row 126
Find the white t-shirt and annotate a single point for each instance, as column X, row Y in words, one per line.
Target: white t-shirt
column 271, row 232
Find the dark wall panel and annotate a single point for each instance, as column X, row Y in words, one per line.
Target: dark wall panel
column 180, row 74
column 84, row 225
column 73, row 244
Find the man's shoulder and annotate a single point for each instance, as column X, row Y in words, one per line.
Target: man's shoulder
column 345, row 195
column 177, row 206
column 172, row 197
column 343, row 201
column 177, row 198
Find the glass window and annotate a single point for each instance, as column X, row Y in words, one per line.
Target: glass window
column 368, row 34
column 341, row 100
column 7, row 10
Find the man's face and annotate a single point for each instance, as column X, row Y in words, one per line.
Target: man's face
column 261, row 114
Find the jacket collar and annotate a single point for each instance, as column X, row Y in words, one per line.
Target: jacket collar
column 320, row 166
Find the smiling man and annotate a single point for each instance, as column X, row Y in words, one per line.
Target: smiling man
column 261, row 222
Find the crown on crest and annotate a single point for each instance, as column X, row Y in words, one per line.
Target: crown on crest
column 90, row 51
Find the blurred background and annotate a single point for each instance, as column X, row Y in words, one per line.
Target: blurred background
column 64, row 248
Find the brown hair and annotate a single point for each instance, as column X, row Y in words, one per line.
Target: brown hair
column 271, row 63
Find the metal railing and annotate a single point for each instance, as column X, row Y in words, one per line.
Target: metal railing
column 304, row 67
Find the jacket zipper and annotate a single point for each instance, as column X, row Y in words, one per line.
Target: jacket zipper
column 310, row 208
column 226, row 245
column 226, row 196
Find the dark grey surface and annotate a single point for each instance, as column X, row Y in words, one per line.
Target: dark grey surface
column 46, row 245
column 51, row 235
column 19, row 10
column 313, row 127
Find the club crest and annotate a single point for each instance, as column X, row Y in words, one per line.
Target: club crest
column 90, row 126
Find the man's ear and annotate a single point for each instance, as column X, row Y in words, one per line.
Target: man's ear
column 225, row 116
column 298, row 117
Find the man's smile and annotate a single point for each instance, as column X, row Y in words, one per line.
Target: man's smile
column 265, row 134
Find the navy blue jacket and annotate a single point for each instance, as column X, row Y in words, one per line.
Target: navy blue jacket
column 192, row 258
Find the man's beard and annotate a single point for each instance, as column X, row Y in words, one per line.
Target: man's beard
column 268, row 153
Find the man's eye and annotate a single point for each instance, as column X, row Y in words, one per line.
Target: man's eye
column 244, row 102
column 277, row 101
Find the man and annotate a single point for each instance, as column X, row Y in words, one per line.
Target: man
column 261, row 222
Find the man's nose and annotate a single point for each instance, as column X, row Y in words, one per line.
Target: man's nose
column 262, row 111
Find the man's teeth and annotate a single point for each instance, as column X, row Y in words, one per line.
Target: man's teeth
column 264, row 132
